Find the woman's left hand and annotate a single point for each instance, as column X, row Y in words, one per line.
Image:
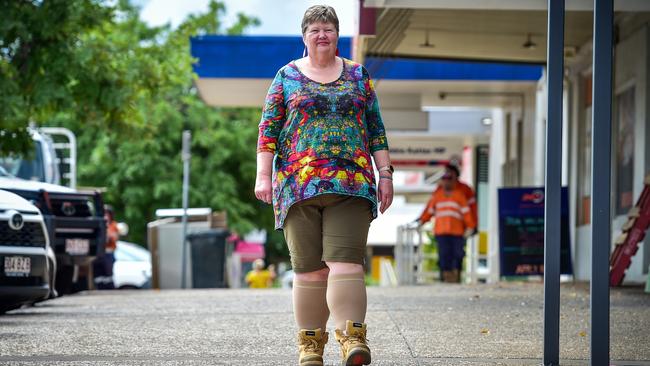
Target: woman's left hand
column 385, row 193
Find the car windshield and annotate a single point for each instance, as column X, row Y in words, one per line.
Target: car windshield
column 3, row 172
column 27, row 169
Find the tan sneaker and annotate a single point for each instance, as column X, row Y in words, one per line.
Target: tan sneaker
column 311, row 344
column 354, row 345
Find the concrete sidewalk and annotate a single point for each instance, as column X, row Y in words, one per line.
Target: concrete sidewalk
column 432, row 325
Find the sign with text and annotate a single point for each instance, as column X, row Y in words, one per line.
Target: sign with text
column 521, row 232
column 412, row 150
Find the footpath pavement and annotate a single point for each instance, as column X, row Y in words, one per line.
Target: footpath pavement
column 428, row 325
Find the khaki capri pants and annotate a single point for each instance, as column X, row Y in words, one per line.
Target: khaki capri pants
column 327, row 228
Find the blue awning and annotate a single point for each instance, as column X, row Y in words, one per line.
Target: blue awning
column 262, row 56
column 428, row 69
column 248, row 56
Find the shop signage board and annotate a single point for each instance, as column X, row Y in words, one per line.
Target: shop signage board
column 413, row 150
column 521, row 232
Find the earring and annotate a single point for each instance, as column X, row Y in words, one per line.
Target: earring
column 304, row 52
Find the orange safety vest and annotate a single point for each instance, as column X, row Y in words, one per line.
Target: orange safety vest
column 112, row 235
column 471, row 199
column 451, row 211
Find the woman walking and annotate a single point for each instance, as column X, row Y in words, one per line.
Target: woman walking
column 319, row 129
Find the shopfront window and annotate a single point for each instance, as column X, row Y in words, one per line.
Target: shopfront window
column 624, row 113
column 584, row 153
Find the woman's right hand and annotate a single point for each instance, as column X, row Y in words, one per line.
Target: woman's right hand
column 263, row 189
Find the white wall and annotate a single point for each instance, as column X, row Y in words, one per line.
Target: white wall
column 631, row 67
column 530, row 128
column 529, row 134
column 580, row 235
column 538, row 135
column 404, row 120
column 495, row 180
column 458, row 121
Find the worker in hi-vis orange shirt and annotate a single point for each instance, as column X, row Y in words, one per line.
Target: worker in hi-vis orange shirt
column 454, row 220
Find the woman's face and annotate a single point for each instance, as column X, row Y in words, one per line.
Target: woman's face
column 321, row 38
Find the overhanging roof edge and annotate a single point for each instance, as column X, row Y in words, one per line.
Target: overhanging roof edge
column 458, row 59
column 571, row 5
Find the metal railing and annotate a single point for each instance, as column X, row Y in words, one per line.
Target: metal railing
column 66, row 152
column 410, row 256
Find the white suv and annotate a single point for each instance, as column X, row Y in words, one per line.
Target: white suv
column 24, row 266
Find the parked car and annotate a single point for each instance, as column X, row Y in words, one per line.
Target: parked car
column 24, row 242
column 132, row 268
column 74, row 220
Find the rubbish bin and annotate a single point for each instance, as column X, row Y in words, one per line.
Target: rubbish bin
column 208, row 252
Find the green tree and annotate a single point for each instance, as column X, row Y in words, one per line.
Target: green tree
column 128, row 93
column 38, row 62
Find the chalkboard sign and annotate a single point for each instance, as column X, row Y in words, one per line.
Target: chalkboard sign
column 521, row 232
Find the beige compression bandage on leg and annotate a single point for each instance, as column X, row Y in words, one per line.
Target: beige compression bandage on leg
column 310, row 304
column 346, row 298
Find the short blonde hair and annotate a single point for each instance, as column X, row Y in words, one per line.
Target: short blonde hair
column 319, row 13
column 258, row 263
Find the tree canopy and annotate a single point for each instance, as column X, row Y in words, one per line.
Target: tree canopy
column 126, row 90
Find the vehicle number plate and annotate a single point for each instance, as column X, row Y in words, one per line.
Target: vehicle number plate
column 77, row 246
column 18, row 266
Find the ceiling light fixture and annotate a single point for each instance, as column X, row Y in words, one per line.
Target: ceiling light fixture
column 426, row 43
column 529, row 44
column 486, row 121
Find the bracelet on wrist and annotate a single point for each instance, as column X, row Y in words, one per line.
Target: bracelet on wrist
column 387, row 168
column 383, row 177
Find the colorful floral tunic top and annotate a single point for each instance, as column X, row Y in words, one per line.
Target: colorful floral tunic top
column 322, row 135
